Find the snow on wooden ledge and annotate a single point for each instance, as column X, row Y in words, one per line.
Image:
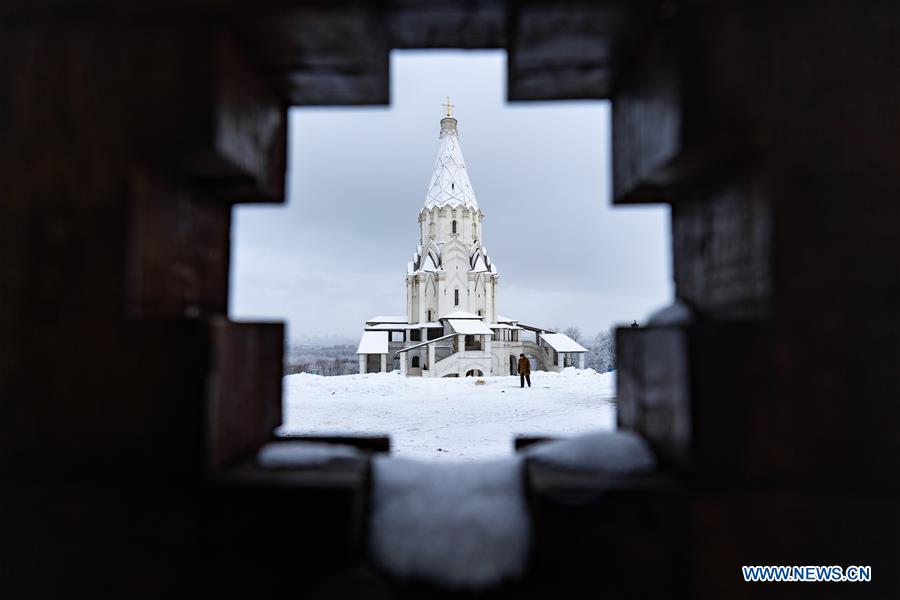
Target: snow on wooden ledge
column 459, row 525
column 466, row 525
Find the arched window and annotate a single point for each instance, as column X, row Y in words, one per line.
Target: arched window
column 454, row 226
column 429, row 316
column 456, row 297
column 415, row 362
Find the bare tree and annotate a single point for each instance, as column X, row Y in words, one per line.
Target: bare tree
column 296, row 367
column 604, row 350
column 573, row 332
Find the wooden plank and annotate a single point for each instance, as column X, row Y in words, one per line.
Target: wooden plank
column 181, row 98
column 449, row 24
column 249, row 126
column 243, row 406
column 625, row 531
column 315, row 57
column 700, row 394
column 732, row 528
column 653, row 389
column 178, row 250
column 379, row 444
column 648, row 121
column 520, row 442
column 258, row 524
column 723, row 253
column 571, row 50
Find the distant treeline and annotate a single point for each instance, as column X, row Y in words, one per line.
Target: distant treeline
column 341, row 359
column 321, row 360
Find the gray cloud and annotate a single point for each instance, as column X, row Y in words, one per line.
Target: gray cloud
column 336, row 254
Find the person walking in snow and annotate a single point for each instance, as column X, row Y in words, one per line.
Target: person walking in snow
column 524, row 371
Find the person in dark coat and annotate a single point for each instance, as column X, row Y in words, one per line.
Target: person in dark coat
column 524, row 371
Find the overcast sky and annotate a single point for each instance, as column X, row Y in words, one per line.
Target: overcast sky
column 335, row 254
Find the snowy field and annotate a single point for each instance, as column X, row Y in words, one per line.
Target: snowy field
column 450, row 419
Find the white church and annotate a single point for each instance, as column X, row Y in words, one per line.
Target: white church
column 451, row 327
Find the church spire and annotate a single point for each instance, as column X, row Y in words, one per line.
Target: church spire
column 450, row 183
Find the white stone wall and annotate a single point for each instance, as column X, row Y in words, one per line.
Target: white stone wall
column 476, row 290
column 436, row 224
column 435, row 291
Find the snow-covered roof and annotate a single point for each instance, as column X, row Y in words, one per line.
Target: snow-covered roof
column 502, row 319
column 426, row 258
column 461, row 314
column 534, row 328
column 450, row 183
column 503, row 326
column 425, row 343
column 470, row 327
column 562, row 343
column 399, row 326
column 430, row 258
column 388, row 319
column 373, row 342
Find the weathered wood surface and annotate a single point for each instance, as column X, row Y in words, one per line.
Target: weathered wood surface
column 572, row 50
column 621, row 530
column 379, row 444
column 733, row 115
column 183, row 97
column 700, row 394
column 178, row 249
column 770, row 128
column 243, row 405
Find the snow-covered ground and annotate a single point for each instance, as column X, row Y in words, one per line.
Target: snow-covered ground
column 450, row 418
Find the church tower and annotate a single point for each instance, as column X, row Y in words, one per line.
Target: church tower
column 451, row 327
column 451, row 270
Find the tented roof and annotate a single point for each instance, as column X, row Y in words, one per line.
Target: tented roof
column 562, row 343
column 450, row 183
column 470, row 327
column 373, row 342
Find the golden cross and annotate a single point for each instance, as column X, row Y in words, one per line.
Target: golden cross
column 449, row 107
